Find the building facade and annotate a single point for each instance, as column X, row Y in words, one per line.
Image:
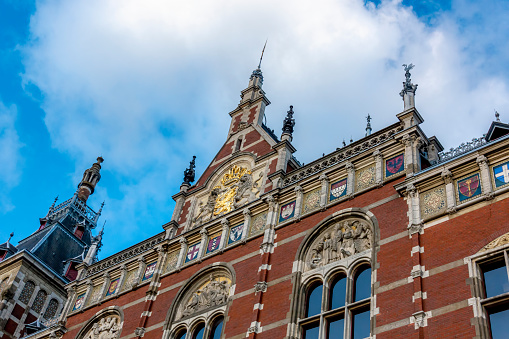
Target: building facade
column 387, row 237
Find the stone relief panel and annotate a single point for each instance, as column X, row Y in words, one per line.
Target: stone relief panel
column 433, row 202
column 107, row 327
column 365, row 177
column 213, row 292
column 311, row 201
column 339, row 241
column 171, row 261
column 258, row 223
column 236, row 187
column 95, row 295
column 500, row 241
column 130, row 279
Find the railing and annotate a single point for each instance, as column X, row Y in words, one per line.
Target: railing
column 81, row 208
column 462, row 149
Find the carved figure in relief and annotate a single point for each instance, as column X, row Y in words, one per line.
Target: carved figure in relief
column 339, row 242
column 214, row 293
column 206, row 210
column 106, row 328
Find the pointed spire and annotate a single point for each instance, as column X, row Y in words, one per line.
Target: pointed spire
column 189, row 172
column 408, row 91
column 52, row 207
column 368, row 126
column 90, row 179
column 257, row 73
column 497, row 116
column 288, row 124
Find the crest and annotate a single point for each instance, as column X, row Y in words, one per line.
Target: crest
column 79, row 302
column 149, row 271
column 338, row 189
column 235, row 233
column 214, row 242
column 287, row 211
column 469, row 187
column 113, row 287
column 501, row 174
column 192, row 252
column 228, row 190
column 394, row 165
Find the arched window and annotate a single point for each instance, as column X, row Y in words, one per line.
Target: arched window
column 51, row 310
column 27, row 292
column 39, row 301
column 199, row 309
column 347, row 312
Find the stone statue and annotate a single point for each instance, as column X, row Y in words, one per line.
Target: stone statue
column 206, row 210
column 214, row 293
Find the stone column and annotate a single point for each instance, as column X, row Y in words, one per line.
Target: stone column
column 203, row 243
column 123, row 274
column 71, row 296
column 379, row 179
column 247, row 222
column 106, row 282
column 350, row 181
column 272, row 213
column 449, row 191
column 408, row 141
column 414, row 211
column 298, row 201
column 324, row 179
column 182, row 254
column 487, row 188
column 224, row 234
column 86, row 298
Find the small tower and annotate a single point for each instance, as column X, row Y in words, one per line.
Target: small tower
column 90, row 179
column 408, row 91
column 288, row 125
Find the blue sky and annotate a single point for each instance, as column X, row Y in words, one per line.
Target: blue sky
column 148, row 85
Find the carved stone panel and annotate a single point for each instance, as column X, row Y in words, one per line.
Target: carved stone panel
column 258, row 223
column 500, row 241
column 130, row 279
column 107, row 327
column 365, row 177
column 311, row 201
column 212, row 292
column 339, row 241
column 171, row 262
column 433, row 202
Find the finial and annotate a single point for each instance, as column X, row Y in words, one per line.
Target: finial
column 100, row 160
column 351, row 140
column 10, row 237
column 52, row 207
column 289, row 122
column 368, row 127
column 344, row 143
column 408, row 91
column 261, row 57
column 497, row 115
column 189, row 172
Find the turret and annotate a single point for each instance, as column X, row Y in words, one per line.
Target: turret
column 90, row 179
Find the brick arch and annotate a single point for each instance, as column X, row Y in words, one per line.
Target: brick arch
column 176, row 320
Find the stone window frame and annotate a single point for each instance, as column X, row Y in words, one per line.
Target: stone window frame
column 327, row 273
column 327, row 278
column 208, row 316
column 480, row 303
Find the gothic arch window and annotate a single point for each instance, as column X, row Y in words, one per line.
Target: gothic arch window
column 490, row 274
column 105, row 324
column 27, row 292
column 332, row 295
column 199, row 310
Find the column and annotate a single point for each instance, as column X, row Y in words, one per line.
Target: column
column 203, row 242
column 379, row 179
column 449, row 191
column 224, row 234
column 325, row 188
column 487, row 188
column 182, row 254
column 350, row 181
column 247, row 223
column 298, row 201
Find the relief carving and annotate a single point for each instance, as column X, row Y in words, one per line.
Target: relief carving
column 106, row 328
column 214, row 292
column 339, row 241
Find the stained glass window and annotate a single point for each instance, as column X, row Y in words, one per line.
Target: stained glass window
column 39, row 301
column 27, row 292
column 51, row 310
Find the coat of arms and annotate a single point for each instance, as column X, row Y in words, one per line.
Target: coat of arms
column 192, row 252
column 235, row 233
column 149, row 271
column 394, row 165
column 214, row 242
column 287, row 211
column 501, row 174
column 469, row 187
column 113, row 287
column 338, row 189
column 79, row 302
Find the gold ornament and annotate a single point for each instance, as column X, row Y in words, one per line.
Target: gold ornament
column 226, row 199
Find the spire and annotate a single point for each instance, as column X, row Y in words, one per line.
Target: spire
column 189, row 172
column 257, row 76
column 497, row 116
column 94, row 248
column 368, row 126
column 408, row 91
column 288, row 125
column 90, row 179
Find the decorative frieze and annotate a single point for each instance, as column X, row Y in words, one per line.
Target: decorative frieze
column 433, row 202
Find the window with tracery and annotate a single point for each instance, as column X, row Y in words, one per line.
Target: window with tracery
column 27, row 292
column 200, row 310
column 338, row 307
column 491, row 267
column 39, row 301
column 51, row 310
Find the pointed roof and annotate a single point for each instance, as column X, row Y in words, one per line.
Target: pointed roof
column 497, row 129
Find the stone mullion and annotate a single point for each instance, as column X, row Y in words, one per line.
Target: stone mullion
column 449, row 191
column 298, row 201
column 247, row 222
column 224, row 233
column 27, row 310
column 123, row 274
column 203, row 243
column 350, row 181
column 487, row 188
column 379, row 178
column 324, row 179
column 182, row 253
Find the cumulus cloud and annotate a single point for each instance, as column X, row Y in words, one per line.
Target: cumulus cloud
column 147, row 86
column 10, row 156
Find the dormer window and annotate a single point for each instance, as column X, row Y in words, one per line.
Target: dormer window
column 78, row 232
column 72, row 272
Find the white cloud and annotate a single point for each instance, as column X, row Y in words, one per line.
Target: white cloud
column 148, row 85
column 10, row 156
